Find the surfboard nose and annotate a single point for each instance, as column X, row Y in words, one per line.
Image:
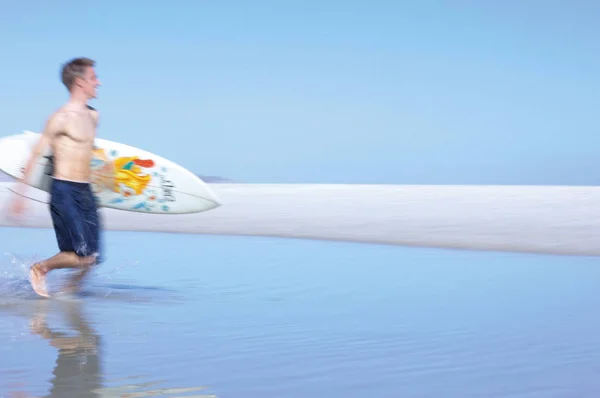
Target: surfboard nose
column 203, row 191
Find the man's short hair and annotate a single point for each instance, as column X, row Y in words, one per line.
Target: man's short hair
column 75, row 68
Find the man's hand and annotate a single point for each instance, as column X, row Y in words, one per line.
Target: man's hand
column 105, row 176
column 17, row 208
column 53, row 125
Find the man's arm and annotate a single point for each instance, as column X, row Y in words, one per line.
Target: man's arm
column 53, row 126
column 96, row 116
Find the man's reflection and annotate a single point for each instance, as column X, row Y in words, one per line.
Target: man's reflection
column 77, row 371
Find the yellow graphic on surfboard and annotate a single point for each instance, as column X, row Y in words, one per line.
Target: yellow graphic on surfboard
column 125, row 171
column 127, row 176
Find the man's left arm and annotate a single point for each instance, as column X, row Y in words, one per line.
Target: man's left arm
column 96, row 116
column 105, row 175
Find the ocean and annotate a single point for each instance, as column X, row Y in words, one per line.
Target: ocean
column 224, row 316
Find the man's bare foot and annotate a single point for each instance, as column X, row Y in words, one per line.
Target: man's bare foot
column 73, row 286
column 37, row 276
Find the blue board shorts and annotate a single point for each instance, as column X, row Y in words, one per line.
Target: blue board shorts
column 75, row 218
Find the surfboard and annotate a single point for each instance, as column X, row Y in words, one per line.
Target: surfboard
column 123, row 177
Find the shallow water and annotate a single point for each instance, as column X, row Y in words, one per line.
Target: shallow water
column 180, row 315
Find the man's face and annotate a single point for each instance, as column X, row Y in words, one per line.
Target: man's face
column 89, row 83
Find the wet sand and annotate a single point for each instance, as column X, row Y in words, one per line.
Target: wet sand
column 536, row 219
column 226, row 316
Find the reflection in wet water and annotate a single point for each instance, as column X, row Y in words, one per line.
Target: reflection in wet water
column 143, row 390
column 294, row 319
column 77, row 371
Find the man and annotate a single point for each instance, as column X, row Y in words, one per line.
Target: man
column 69, row 133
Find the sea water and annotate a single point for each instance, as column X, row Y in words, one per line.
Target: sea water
column 198, row 315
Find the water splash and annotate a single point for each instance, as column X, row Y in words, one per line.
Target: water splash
column 102, row 283
column 14, row 277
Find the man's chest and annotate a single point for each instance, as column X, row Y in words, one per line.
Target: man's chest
column 82, row 127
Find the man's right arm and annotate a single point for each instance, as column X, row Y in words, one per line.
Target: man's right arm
column 53, row 125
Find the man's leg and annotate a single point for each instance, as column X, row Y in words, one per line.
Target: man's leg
column 86, row 265
column 73, row 217
column 89, row 249
column 60, row 261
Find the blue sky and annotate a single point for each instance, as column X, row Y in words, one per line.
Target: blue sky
column 335, row 91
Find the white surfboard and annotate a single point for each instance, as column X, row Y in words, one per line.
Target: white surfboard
column 124, row 177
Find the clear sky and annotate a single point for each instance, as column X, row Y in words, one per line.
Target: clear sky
column 443, row 92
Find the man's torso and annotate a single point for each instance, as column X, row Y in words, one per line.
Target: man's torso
column 73, row 145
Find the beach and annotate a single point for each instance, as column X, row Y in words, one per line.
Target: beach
column 365, row 300
column 533, row 219
column 405, row 204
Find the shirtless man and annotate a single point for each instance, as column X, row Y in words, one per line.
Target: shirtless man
column 70, row 133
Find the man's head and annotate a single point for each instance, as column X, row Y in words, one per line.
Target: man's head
column 79, row 77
